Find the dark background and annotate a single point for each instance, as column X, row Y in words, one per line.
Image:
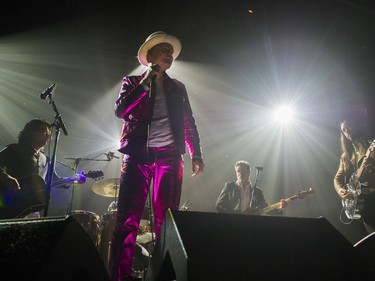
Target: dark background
column 236, row 65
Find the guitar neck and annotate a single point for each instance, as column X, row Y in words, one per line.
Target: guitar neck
column 63, row 181
column 299, row 195
column 361, row 168
column 276, row 205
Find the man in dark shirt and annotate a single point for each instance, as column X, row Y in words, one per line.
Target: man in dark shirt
column 241, row 197
column 21, row 187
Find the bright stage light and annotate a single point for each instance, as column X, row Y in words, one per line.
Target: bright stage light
column 284, row 114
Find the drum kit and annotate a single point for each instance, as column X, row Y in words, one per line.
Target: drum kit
column 100, row 228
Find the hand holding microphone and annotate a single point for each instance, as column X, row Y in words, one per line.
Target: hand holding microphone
column 151, row 74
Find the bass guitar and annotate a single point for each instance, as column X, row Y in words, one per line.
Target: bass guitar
column 353, row 203
column 33, row 194
column 298, row 195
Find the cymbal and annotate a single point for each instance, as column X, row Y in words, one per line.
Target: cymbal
column 107, row 187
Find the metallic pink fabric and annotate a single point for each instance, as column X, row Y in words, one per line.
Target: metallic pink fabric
column 165, row 167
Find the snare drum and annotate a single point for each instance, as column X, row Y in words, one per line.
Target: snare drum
column 90, row 223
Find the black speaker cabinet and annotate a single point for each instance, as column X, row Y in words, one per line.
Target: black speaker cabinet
column 209, row 246
column 48, row 249
column 366, row 247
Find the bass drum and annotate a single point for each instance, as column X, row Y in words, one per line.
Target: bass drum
column 90, row 223
column 107, row 226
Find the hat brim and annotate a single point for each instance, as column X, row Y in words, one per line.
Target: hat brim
column 158, row 39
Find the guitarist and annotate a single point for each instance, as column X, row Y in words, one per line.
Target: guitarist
column 21, row 160
column 238, row 197
column 354, row 147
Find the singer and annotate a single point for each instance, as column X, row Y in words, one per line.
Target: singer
column 241, row 196
column 157, row 124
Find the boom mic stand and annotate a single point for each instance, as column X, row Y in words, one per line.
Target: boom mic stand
column 110, row 155
column 58, row 124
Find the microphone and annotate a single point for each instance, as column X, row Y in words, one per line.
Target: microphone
column 47, row 91
column 155, row 68
column 259, row 168
column 110, row 155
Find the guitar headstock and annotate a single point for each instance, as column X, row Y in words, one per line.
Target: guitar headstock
column 95, row 174
column 372, row 146
column 303, row 194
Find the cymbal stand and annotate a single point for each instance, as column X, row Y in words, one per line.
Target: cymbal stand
column 113, row 205
column 69, row 210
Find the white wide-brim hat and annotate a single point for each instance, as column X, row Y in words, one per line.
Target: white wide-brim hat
column 154, row 39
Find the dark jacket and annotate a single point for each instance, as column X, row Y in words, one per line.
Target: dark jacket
column 135, row 106
column 21, row 161
column 229, row 200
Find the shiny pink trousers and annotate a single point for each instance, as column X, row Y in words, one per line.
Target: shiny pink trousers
column 164, row 168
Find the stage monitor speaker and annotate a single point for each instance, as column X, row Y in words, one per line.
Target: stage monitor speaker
column 55, row 248
column 366, row 247
column 209, row 246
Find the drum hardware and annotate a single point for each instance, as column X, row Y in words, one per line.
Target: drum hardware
column 107, row 225
column 90, row 222
column 140, row 261
column 185, row 206
column 144, row 226
column 145, row 238
column 112, row 206
column 107, row 187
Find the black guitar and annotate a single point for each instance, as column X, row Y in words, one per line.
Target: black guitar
column 33, row 195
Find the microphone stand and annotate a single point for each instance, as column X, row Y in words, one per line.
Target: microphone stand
column 58, row 124
column 253, row 191
column 76, row 163
column 151, row 96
